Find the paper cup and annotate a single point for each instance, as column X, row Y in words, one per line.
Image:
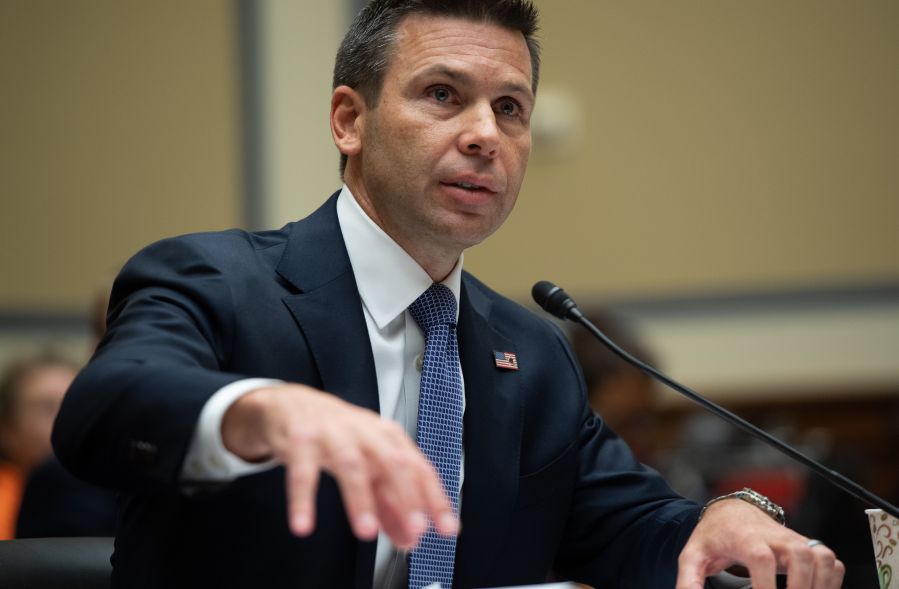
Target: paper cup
column 885, row 534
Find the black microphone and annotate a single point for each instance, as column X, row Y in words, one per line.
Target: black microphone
column 556, row 301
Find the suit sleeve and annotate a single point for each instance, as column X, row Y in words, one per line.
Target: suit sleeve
column 128, row 418
column 626, row 526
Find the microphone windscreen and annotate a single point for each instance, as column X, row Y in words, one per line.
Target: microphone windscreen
column 553, row 299
column 541, row 292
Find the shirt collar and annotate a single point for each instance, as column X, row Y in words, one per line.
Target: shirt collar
column 387, row 277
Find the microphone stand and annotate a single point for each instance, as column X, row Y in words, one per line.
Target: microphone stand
column 556, row 301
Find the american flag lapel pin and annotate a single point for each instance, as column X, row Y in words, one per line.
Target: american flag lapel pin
column 506, row 360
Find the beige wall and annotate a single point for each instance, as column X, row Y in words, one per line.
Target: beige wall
column 119, row 126
column 297, row 54
column 726, row 146
column 718, row 146
column 723, row 146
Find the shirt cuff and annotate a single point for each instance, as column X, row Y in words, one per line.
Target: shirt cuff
column 207, row 459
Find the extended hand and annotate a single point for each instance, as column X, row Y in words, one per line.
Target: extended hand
column 735, row 532
column 385, row 481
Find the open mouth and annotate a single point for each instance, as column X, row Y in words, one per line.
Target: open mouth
column 468, row 186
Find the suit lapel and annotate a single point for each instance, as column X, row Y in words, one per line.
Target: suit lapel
column 329, row 312
column 492, row 437
column 328, row 308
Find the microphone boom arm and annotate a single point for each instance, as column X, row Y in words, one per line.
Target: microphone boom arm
column 555, row 301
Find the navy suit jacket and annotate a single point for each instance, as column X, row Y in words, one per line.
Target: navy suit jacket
column 547, row 486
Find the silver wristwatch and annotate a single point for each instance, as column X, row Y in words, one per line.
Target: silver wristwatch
column 749, row 496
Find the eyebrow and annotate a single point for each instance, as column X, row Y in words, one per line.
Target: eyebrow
column 464, row 78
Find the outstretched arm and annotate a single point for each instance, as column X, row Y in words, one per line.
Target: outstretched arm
column 385, row 481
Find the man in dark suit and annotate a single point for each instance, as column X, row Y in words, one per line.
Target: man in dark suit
column 239, row 365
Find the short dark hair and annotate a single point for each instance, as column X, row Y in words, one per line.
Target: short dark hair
column 365, row 52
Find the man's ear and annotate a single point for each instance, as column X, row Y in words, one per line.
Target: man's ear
column 347, row 115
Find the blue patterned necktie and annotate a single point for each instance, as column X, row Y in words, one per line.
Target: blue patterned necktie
column 439, row 426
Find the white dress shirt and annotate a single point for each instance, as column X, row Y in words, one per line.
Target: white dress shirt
column 389, row 280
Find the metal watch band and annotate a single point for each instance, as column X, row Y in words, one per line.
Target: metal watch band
column 749, row 496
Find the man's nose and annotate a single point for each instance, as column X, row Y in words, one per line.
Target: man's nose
column 480, row 135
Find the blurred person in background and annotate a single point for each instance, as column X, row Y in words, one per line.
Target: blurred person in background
column 708, row 456
column 31, row 391
column 98, row 309
column 624, row 396
column 55, row 503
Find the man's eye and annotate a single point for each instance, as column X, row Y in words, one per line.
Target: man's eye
column 441, row 94
column 508, row 107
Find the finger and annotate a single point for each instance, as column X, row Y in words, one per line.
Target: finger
column 423, row 492
column 800, row 561
column 762, row 564
column 303, row 466
column 828, row 570
column 836, row 579
column 404, row 528
column 692, row 569
column 346, row 462
column 398, row 496
column 437, row 504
